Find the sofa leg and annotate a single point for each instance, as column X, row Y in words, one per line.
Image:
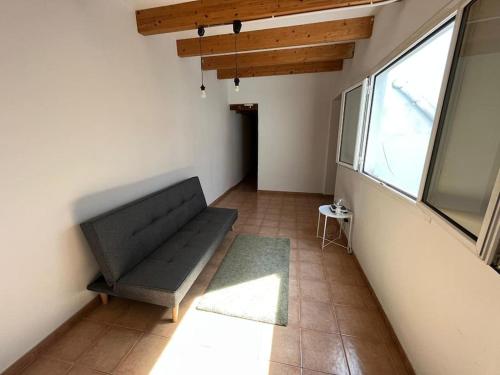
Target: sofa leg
column 104, row 298
column 175, row 313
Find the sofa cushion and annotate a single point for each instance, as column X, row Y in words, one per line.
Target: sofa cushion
column 122, row 238
column 170, row 265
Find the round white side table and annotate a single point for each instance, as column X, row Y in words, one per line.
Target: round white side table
column 327, row 212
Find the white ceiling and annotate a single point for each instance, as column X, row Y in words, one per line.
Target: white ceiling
column 326, row 15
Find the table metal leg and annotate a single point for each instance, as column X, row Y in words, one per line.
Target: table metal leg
column 334, row 240
column 349, row 248
column 317, row 227
column 324, row 233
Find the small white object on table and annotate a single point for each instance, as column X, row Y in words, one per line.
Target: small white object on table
column 341, row 215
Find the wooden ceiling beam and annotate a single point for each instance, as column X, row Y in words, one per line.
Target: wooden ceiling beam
column 190, row 15
column 244, row 108
column 281, row 56
column 262, row 71
column 315, row 33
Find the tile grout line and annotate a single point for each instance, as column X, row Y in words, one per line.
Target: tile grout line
column 110, row 326
column 128, row 352
column 87, row 348
column 299, row 292
column 332, row 307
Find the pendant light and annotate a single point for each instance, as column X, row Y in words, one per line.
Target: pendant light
column 236, row 30
column 201, row 32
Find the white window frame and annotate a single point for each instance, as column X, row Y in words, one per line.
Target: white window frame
column 369, row 104
column 489, row 236
column 361, row 120
column 439, row 107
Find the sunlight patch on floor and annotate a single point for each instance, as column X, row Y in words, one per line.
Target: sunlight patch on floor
column 257, row 299
column 212, row 343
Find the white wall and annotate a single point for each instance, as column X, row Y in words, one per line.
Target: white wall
column 440, row 298
column 294, row 118
column 92, row 115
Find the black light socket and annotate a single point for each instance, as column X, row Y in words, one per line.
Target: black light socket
column 201, row 31
column 236, row 81
column 236, row 26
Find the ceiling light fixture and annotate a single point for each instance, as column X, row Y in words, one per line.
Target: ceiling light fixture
column 236, row 30
column 201, row 32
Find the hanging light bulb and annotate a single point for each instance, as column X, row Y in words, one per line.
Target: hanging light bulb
column 236, row 30
column 201, row 32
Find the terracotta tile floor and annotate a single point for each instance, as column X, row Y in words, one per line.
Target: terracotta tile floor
column 334, row 325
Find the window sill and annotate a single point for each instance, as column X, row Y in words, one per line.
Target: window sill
column 423, row 210
column 434, row 217
column 382, row 186
column 345, row 165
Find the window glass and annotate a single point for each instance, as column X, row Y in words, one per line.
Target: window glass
column 404, row 103
column 466, row 157
column 350, row 121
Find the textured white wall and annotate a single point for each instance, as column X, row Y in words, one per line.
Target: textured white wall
column 294, row 121
column 440, row 298
column 92, row 115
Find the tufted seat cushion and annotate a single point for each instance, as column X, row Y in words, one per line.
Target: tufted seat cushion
column 175, row 265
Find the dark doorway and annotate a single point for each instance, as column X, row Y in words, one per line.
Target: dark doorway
column 249, row 119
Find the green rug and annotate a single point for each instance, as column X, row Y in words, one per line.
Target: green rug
column 252, row 281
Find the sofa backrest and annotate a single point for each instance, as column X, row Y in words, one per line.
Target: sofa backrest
column 123, row 237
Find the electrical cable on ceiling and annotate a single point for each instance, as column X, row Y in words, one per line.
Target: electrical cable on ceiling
column 236, row 30
column 201, row 32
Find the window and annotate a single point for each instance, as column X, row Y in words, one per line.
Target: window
column 466, row 156
column 404, row 100
column 350, row 124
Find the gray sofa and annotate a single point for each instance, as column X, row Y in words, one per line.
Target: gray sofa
column 154, row 248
